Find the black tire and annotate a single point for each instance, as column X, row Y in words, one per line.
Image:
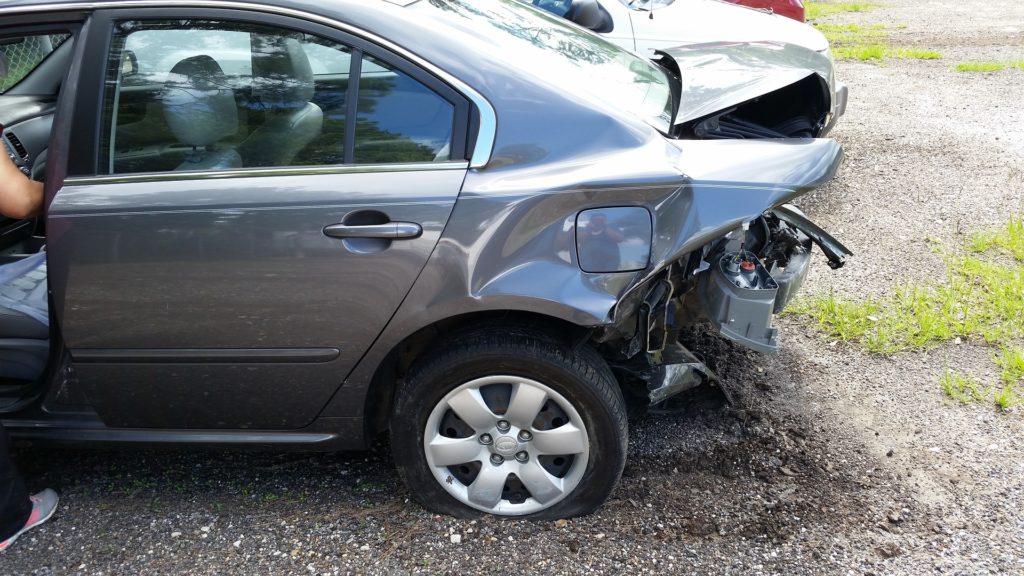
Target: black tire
column 580, row 375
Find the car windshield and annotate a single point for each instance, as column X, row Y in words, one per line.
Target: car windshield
column 565, row 55
column 19, row 56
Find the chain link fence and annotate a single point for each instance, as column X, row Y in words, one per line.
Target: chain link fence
column 19, row 56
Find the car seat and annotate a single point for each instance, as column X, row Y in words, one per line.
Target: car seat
column 282, row 90
column 200, row 110
column 24, row 319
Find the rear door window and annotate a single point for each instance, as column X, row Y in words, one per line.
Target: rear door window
column 206, row 95
column 399, row 119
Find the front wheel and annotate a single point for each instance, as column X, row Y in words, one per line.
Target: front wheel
column 511, row 424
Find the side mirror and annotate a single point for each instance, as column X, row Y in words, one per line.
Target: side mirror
column 590, row 14
column 129, row 64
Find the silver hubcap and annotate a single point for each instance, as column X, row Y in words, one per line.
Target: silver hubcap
column 506, row 445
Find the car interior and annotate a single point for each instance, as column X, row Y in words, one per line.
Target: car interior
column 34, row 68
column 260, row 98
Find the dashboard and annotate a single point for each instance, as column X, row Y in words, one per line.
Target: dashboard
column 27, row 121
column 26, row 135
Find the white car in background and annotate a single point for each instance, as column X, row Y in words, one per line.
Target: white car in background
column 645, row 26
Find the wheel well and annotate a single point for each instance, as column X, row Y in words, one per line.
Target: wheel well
column 380, row 395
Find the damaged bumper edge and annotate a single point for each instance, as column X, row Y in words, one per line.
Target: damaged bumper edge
column 678, row 372
column 740, row 295
column 842, row 96
column 736, row 275
column 832, row 248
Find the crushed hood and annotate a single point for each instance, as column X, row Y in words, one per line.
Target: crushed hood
column 718, row 75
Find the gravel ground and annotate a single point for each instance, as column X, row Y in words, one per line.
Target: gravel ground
column 829, row 460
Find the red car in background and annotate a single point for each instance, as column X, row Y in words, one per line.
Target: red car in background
column 789, row 8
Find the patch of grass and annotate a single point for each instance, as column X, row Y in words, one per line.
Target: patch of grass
column 979, row 67
column 913, row 54
column 868, row 43
column 962, row 388
column 815, row 10
column 845, row 320
column 988, row 66
column 1006, row 398
column 1011, row 360
column 860, row 52
column 1009, row 240
column 851, row 33
column 982, row 298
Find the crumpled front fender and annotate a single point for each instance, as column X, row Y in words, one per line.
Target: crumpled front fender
column 718, row 75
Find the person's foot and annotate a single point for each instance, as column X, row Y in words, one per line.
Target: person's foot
column 44, row 505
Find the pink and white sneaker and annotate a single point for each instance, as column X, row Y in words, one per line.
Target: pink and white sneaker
column 44, row 505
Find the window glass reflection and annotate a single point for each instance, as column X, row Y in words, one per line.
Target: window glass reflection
column 399, row 119
column 613, row 239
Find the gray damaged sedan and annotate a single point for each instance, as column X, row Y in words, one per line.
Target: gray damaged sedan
column 465, row 223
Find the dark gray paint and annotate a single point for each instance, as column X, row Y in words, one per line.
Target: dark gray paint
column 206, row 263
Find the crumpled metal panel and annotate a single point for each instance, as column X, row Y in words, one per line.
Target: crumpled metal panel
column 716, row 76
column 505, row 246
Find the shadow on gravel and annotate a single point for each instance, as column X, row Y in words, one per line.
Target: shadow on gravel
column 212, row 482
column 757, row 468
column 706, row 473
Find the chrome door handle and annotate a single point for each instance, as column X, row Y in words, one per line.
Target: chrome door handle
column 389, row 231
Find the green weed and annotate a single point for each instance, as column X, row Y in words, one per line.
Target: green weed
column 868, row 43
column 844, row 320
column 1009, row 240
column 988, row 66
column 851, row 33
column 288, row 497
column 815, row 10
column 982, row 298
column 860, row 52
column 913, row 54
column 962, row 388
column 1006, row 398
column 979, row 67
column 1011, row 361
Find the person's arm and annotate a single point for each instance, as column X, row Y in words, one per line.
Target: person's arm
column 20, row 197
column 614, row 235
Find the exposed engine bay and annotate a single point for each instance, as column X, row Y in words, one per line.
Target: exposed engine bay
column 799, row 110
column 752, row 91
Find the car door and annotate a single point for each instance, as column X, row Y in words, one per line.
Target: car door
column 257, row 198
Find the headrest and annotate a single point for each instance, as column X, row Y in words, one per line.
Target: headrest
column 282, row 78
column 198, row 103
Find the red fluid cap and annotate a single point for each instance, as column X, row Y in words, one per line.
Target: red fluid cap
column 747, row 265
